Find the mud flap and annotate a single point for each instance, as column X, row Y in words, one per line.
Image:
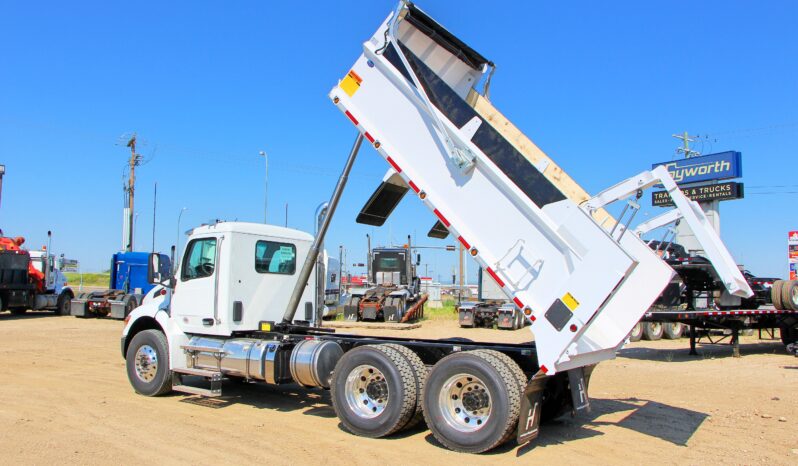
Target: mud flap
column 578, row 383
column 391, row 312
column 79, row 308
column 117, row 309
column 466, row 317
column 352, row 309
column 531, row 404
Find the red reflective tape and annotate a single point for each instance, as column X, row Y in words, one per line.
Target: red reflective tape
column 351, row 117
column 413, row 186
column 368, row 136
column 464, row 242
column 394, row 165
column 495, row 277
column 543, row 368
column 518, row 302
column 442, row 218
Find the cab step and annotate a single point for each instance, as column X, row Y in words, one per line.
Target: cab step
column 202, row 349
column 210, row 393
column 214, row 377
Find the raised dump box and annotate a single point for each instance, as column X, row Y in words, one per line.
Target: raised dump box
column 581, row 281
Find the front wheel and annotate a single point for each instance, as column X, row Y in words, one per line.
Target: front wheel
column 147, row 363
column 64, row 305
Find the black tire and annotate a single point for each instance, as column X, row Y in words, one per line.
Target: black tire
column 489, row 375
column 131, row 304
column 150, row 342
column 397, row 382
column 18, row 311
column 637, row 332
column 652, row 331
column 775, row 294
column 420, row 374
column 789, row 295
column 672, row 330
column 64, row 304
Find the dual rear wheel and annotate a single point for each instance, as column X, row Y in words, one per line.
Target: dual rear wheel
column 469, row 400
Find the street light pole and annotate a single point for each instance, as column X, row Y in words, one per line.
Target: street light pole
column 177, row 243
column 265, row 188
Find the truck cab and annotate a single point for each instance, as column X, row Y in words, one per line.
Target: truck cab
column 394, row 266
column 54, row 280
column 233, row 275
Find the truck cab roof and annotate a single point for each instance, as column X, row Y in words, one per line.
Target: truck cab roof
column 259, row 229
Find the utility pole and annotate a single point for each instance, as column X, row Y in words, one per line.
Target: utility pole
column 2, row 172
column 135, row 160
column 154, row 207
column 265, row 188
column 685, row 149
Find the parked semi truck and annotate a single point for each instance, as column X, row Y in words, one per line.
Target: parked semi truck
column 393, row 293
column 490, row 308
column 31, row 280
column 126, row 288
column 235, row 307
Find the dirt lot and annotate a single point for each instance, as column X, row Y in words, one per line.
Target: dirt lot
column 66, row 399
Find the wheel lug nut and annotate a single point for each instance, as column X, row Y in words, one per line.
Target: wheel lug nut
column 457, row 410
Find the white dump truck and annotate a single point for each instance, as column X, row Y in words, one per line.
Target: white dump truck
column 243, row 299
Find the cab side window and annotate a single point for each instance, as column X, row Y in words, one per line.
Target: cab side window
column 274, row 257
column 200, row 259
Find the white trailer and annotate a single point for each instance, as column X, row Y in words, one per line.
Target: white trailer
column 231, row 309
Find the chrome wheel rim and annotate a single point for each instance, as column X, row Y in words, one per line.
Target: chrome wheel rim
column 146, row 362
column 656, row 327
column 794, row 296
column 464, row 403
column 366, row 391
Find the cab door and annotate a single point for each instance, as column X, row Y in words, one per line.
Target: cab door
column 194, row 301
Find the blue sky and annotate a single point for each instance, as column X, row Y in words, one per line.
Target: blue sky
column 599, row 86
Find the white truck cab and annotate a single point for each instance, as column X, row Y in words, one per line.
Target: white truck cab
column 233, row 275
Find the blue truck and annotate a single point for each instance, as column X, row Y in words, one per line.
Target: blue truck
column 126, row 290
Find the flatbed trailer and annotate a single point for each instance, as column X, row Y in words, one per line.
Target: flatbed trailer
column 700, row 321
column 580, row 280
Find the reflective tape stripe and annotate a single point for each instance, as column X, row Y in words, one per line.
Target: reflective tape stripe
column 442, row 218
column 394, row 165
column 351, row 117
column 495, row 277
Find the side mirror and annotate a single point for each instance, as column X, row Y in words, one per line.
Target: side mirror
column 154, row 269
column 418, row 259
